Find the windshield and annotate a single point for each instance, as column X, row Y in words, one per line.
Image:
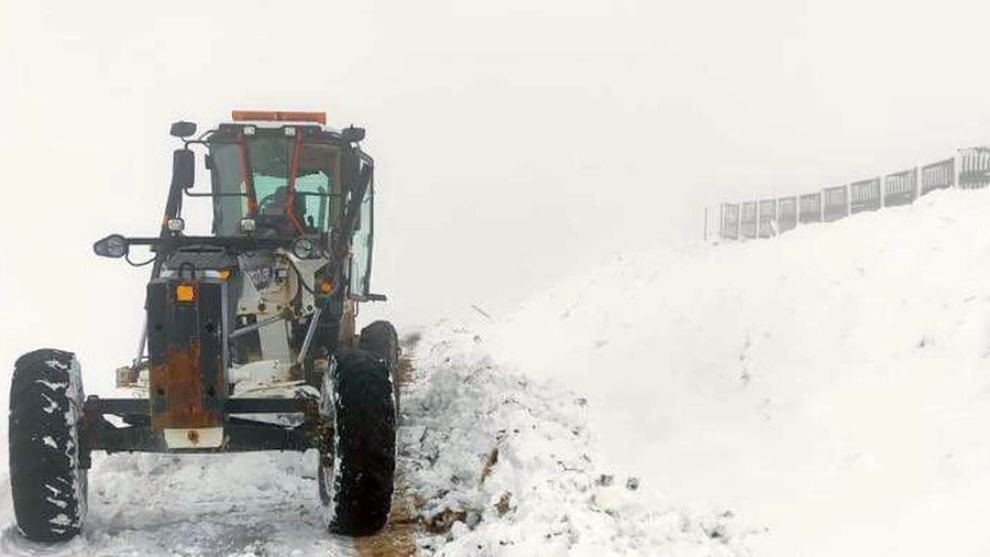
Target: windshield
column 284, row 184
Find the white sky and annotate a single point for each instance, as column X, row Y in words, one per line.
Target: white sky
column 515, row 143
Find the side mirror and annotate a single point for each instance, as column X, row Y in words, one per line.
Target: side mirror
column 352, row 134
column 182, row 129
column 183, row 168
column 113, row 245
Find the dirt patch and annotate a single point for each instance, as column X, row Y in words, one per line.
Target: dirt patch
column 405, row 371
column 399, row 535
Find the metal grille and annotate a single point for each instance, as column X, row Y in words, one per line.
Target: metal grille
column 939, row 175
column 747, row 220
column 730, row 221
column 900, row 188
column 865, row 196
column 810, row 208
column 768, row 218
column 836, row 203
column 974, row 171
column 786, row 213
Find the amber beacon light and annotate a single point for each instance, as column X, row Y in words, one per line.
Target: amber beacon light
column 278, row 116
column 185, row 293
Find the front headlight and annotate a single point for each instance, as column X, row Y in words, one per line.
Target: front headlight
column 175, row 225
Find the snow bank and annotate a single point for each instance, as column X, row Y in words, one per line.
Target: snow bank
column 501, row 464
column 495, row 464
column 832, row 384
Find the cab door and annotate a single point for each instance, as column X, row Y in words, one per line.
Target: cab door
column 362, row 240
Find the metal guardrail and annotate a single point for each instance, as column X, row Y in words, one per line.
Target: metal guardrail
column 787, row 217
column 865, row 195
column 810, row 206
column 938, row 176
column 836, row 204
column 729, row 221
column 900, row 188
column 974, row 172
column 747, row 220
column 766, row 218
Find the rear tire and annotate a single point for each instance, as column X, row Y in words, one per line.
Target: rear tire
column 47, row 483
column 357, row 469
column 380, row 339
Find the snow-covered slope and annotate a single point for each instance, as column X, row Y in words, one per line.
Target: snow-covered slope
column 832, row 384
column 503, row 464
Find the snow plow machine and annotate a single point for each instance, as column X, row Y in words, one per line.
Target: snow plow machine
column 249, row 341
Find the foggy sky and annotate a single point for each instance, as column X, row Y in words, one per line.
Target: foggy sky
column 515, row 142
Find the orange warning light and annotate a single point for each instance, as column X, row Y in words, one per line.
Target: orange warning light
column 185, row 293
column 278, row 116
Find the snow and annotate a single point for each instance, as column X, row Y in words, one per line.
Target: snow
column 194, row 505
column 822, row 393
column 543, row 491
column 505, row 465
column 832, row 384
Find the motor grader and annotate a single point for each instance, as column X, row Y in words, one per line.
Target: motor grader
column 249, row 341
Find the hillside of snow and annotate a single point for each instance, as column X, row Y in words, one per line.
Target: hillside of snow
column 831, row 385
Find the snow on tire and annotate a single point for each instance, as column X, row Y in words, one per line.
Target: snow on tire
column 48, row 486
column 357, row 470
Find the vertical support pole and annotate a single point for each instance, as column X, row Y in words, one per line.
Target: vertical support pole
column 955, row 181
column 738, row 220
column 705, row 237
column 141, row 343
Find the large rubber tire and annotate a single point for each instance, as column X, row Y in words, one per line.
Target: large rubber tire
column 47, row 484
column 380, row 339
column 357, row 469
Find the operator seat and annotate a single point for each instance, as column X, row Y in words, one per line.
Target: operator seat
column 271, row 212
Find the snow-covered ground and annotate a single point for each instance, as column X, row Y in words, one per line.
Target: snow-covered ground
column 505, row 464
column 491, row 464
column 823, row 393
column 832, row 384
column 193, row 505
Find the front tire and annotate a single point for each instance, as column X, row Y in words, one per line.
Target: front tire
column 380, row 339
column 357, row 469
column 47, row 483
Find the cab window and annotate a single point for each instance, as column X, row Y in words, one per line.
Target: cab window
column 268, row 163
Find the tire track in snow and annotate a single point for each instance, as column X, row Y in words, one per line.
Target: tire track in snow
column 237, row 505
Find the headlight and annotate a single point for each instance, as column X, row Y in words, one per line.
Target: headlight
column 113, row 245
column 176, row 225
